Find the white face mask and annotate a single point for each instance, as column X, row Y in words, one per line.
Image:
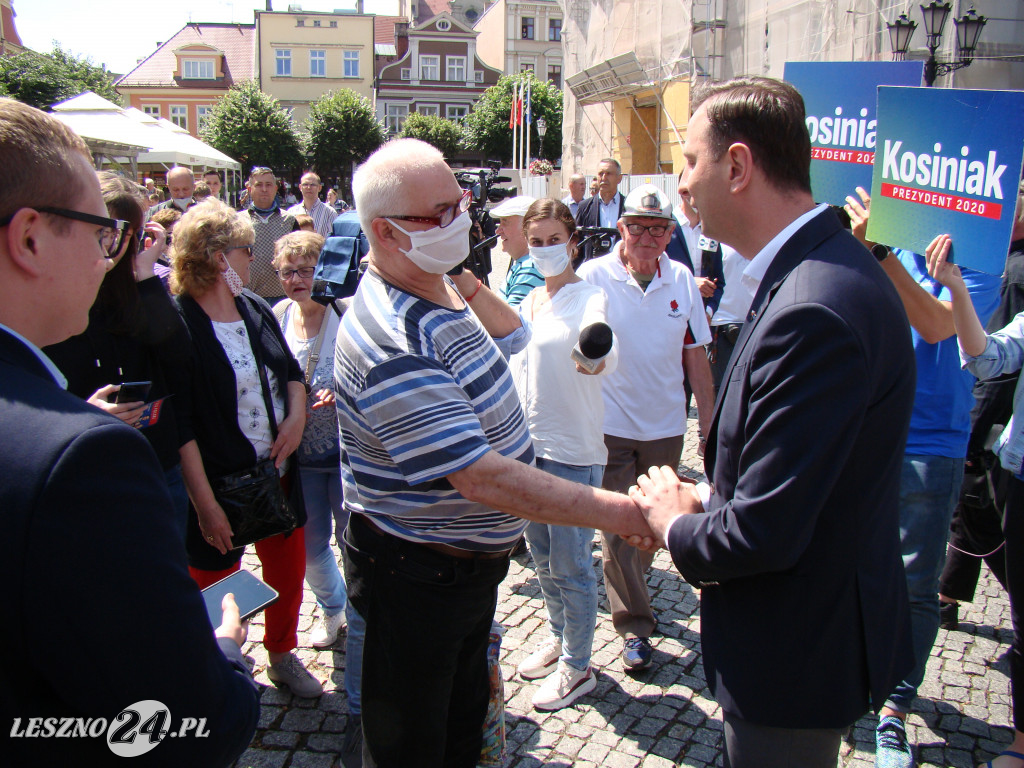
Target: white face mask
column 439, row 249
column 234, row 282
column 551, row 260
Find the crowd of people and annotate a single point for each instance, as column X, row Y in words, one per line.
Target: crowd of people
column 430, row 424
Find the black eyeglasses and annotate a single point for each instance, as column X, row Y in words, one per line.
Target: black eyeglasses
column 246, row 248
column 111, row 237
column 287, row 274
column 656, row 230
column 446, row 217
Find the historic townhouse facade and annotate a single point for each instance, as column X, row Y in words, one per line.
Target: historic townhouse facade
column 303, row 55
column 183, row 77
column 436, row 70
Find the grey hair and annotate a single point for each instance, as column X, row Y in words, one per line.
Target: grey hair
column 378, row 183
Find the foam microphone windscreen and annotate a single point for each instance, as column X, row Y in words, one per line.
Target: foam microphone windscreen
column 596, row 341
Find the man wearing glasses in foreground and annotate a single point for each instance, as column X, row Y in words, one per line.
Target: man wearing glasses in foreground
column 435, row 464
column 88, row 523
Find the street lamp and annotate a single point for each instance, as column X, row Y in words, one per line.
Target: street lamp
column 900, row 33
column 542, row 128
column 968, row 31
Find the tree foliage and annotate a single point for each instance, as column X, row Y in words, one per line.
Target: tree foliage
column 446, row 135
column 342, row 129
column 487, row 128
column 44, row 79
column 253, row 128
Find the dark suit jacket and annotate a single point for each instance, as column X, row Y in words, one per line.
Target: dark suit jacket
column 588, row 214
column 677, row 251
column 89, row 532
column 807, row 623
column 209, row 398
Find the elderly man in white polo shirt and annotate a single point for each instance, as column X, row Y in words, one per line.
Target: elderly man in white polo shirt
column 657, row 313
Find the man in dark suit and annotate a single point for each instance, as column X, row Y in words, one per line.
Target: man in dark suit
column 89, row 531
column 603, row 209
column 804, row 611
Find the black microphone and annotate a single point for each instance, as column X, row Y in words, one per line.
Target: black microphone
column 594, row 344
column 486, row 244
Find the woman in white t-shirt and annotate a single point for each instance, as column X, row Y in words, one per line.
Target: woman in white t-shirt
column 565, row 412
column 311, row 330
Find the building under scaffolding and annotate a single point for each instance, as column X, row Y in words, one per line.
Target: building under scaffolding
column 630, row 64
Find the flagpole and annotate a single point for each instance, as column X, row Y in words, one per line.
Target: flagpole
column 527, row 117
column 519, row 123
column 512, row 125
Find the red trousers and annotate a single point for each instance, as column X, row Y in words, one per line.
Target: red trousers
column 284, row 566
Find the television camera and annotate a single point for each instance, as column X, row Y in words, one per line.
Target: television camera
column 482, row 183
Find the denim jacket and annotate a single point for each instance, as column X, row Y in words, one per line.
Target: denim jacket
column 1004, row 353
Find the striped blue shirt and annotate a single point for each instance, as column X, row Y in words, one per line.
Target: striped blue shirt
column 423, row 392
column 523, row 277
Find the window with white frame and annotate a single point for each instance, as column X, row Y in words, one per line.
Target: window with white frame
column 283, row 57
column 443, row 25
column 151, row 109
column 456, row 111
column 316, row 22
column 527, row 67
column 456, row 68
column 555, row 30
column 394, row 117
column 179, row 116
column 317, row 63
column 478, row 75
column 527, row 28
column 300, row 22
column 334, row 24
column 429, row 109
column 202, row 112
column 197, row 69
column 405, row 73
column 555, row 75
column 351, row 61
column 430, row 67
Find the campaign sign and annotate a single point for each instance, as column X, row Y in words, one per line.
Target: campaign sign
column 839, row 101
column 948, row 161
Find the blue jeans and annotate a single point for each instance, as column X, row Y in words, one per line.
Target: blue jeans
column 324, row 510
column 929, row 488
column 354, row 660
column 565, row 570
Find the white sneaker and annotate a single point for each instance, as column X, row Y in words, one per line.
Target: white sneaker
column 325, row 630
column 541, row 662
column 290, row 672
column 563, row 687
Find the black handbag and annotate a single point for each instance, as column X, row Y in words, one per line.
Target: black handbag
column 253, row 499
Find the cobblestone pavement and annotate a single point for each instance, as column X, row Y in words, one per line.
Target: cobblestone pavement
column 664, row 716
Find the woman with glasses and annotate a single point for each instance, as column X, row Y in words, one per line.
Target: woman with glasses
column 310, row 330
column 134, row 332
column 236, row 346
column 564, row 410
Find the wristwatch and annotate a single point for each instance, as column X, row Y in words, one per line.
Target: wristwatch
column 880, row 252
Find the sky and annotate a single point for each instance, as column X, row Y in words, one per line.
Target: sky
column 120, row 32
